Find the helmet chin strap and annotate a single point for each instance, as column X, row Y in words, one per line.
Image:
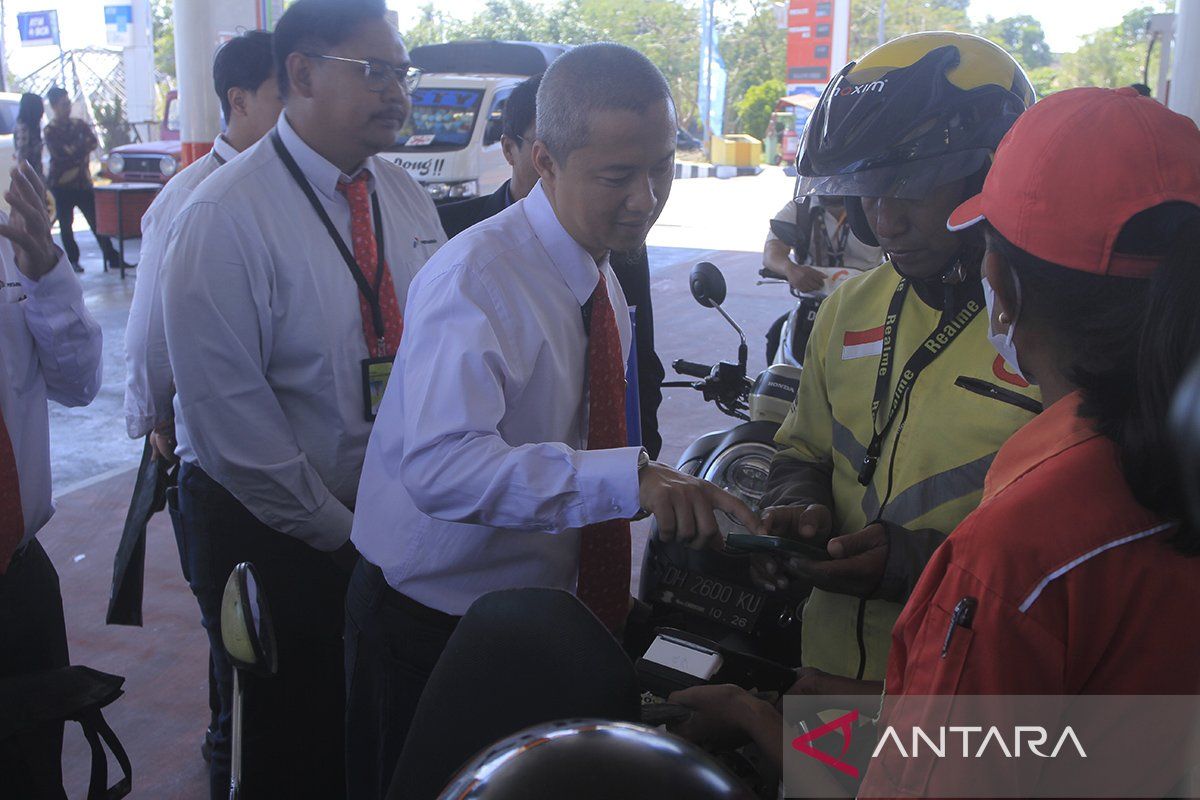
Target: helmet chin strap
column 952, row 274
column 938, row 290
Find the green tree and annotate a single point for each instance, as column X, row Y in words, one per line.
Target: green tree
column 755, row 53
column 163, row 18
column 1109, row 57
column 754, row 107
column 665, row 31
column 431, row 27
column 903, row 17
column 1022, row 36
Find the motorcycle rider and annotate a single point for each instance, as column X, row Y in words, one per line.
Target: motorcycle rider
column 1076, row 572
column 903, row 402
column 833, row 254
column 810, row 244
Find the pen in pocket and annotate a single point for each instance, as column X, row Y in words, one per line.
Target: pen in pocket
column 964, row 614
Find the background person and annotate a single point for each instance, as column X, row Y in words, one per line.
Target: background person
column 27, row 131
column 817, row 254
column 834, row 254
column 501, row 458
column 270, row 334
column 70, row 143
column 244, row 80
column 632, row 269
column 49, row 349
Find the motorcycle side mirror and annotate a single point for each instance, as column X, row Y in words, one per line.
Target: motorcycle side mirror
column 246, row 630
column 708, row 284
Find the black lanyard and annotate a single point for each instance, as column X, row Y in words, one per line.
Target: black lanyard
column 371, row 293
column 955, row 318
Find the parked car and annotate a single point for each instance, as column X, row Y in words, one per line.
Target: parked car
column 9, row 102
column 686, row 141
column 451, row 142
column 148, row 162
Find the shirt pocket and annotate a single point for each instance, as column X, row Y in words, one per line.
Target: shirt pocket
column 17, row 353
column 931, row 681
column 940, row 658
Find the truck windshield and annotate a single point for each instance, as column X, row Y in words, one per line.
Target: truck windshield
column 442, row 118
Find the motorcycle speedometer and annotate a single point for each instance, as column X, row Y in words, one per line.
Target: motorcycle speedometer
column 742, row 471
column 749, row 476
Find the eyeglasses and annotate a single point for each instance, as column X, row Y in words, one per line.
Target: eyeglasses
column 380, row 75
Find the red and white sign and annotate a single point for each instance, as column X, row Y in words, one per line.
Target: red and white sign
column 818, row 43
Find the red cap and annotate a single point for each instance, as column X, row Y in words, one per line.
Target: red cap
column 1076, row 167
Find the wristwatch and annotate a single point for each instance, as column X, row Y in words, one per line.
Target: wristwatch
column 643, row 461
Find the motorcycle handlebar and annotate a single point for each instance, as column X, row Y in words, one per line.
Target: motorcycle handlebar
column 772, row 274
column 691, row 369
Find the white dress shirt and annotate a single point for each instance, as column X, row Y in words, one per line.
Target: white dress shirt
column 49, row 348
column 149, row 385
column 476, row 477
column 266, row 336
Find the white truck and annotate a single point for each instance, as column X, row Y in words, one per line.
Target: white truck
column 451, row 142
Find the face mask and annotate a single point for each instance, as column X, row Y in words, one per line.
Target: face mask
column 1004, row 342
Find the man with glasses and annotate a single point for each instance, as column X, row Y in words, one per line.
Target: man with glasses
column 283, row 288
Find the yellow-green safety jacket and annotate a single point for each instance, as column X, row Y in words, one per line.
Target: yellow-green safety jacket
column 960, row 409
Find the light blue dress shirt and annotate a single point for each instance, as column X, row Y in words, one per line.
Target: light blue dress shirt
column 476, row 476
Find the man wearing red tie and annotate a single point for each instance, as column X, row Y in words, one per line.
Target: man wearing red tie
column 500, row 458
column 283, row 288
column 49, row 348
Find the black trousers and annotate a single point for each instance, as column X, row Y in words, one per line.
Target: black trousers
column 214, row 697
column 293, row 722
column 392, row 644
column 33, row 637
column 65, row 203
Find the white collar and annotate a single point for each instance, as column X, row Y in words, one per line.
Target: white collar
column 321, row 173
column 576, row 265
column 224, row 150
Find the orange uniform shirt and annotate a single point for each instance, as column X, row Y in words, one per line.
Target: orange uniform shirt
column 1076, row 588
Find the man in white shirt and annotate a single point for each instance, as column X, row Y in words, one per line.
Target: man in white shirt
column 500, row 459
column 49, row 348
column 282, row 289
column 244, row 80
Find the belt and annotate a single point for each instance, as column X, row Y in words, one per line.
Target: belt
column 406, row 604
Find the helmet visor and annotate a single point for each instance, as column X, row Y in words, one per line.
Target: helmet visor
column 911, row 180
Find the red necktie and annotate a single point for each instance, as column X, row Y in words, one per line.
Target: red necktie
column 367, row 256
column 12, row 520
column 604, row 547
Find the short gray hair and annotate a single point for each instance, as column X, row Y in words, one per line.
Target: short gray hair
column 593, row 77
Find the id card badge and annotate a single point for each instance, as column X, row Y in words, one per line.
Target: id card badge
column 375, row 374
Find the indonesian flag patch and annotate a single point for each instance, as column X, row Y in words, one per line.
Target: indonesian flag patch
column 860, row 344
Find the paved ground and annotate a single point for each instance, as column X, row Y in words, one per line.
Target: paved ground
column 162, row 716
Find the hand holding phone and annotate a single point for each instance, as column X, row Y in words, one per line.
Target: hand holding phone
column 777, row 545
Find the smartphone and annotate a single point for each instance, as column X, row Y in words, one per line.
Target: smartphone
column 655, row 714
column 776, row 544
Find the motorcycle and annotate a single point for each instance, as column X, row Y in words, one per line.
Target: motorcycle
column 709, row 592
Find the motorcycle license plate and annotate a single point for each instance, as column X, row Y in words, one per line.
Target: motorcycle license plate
column 719, row 601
